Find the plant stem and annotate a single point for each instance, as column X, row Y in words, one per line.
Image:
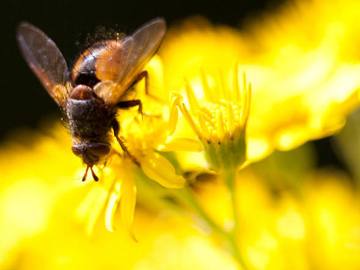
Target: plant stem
column 235, row 235
column 194, row 204
column 188, row 197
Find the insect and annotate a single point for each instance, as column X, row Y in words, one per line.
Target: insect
column 95, row 88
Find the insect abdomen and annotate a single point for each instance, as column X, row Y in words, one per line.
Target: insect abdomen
column 89, row 119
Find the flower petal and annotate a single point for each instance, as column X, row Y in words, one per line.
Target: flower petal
column 112, row 206
column 92, row 206
column 128, row 202
column 162, row 171
column 182, row 144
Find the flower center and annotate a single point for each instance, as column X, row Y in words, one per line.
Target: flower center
column 220, row 121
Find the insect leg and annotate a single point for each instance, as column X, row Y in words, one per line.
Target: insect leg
column 130, row 103
column 116, row 129
column 144, row 75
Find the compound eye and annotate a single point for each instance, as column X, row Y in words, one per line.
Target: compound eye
column 77, row 150
column 99, row 149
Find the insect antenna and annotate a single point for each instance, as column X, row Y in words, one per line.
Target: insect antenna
column 85, row 174
column 94, row 175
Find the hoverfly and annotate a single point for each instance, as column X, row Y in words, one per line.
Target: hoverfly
column 96, row 87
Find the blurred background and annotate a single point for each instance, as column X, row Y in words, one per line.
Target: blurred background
column 297, row 211
column 24, row 104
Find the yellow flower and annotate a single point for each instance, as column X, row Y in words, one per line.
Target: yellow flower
column 321, row 231
column 117, row 188
column 116, row 192
column 40, row 187
column 36, row 212
column 218, row 113
column 301, row 65
column 32, row 179
column 165, row 241
column 305, row 80
column 334, row 220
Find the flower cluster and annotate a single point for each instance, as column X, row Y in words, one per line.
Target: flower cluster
column 210, row 188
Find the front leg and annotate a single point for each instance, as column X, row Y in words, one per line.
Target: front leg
column 144, row 75
column 116, row 129
column 130, row 103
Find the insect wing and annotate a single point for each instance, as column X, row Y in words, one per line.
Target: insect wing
column 45, row 59
column 147, row 40
column 109, row 65
column 135, row 51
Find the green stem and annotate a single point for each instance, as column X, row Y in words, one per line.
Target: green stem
column 229, row 177
column 235, row 235
column 188, row 197
column 194, row 204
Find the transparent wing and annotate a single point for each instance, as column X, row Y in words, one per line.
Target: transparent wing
column 112, row 59
column 147, row 40
column 134, row 52
column 45, row 59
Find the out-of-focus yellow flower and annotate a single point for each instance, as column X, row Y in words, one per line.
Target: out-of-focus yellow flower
column 28, row 189
column 333, row 219
column 320, row 231
column 38, row 229
column 304, row 75
column 301, row 64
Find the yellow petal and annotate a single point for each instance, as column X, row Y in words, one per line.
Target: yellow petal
column 128, row 202
column 93, row 206
column 82, row 210
column 112, row 206
column 162, row 171
column 174, row 114
column 182, row 144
